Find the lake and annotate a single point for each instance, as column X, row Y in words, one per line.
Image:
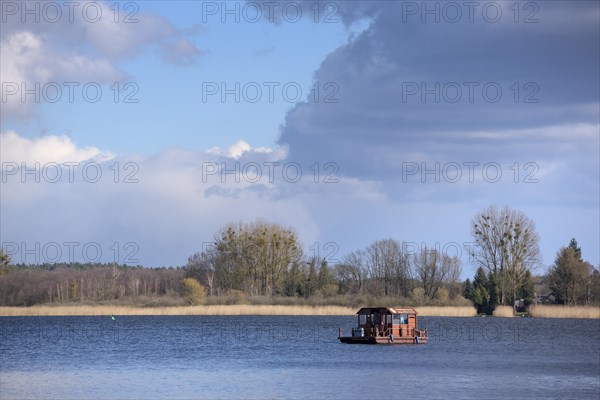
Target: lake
column 213, row 357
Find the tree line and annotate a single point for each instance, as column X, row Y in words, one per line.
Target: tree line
column 267, row 260
column 264, row 259
column 27, row 285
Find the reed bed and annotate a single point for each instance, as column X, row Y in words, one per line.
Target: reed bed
column 553, row 311
column 243, row 309
column 504, row 311
column 538, row 311
column 431, row 311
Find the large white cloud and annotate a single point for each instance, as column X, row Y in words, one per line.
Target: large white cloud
column 168, row 205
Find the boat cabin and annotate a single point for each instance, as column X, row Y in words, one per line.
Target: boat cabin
column 386, row 325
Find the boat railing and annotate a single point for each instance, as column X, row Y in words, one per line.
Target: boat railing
column 411, row 332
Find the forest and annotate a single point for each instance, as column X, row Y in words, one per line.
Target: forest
column 265, row 263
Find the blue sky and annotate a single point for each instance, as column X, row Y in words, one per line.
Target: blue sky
column 500, row 101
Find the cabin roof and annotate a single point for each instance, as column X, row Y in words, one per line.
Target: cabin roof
column 390, row 310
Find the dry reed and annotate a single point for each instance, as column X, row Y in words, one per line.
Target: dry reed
column 504, row 311
column 178, row 310
column 464, row 311
column 553, row 311
column 539, row 311
column 243, row 309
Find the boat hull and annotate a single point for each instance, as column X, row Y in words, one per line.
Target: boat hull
column 381, row 340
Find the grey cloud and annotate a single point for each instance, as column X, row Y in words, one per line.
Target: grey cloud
column 377, row 124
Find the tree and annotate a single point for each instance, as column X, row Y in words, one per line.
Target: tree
column 480, row 293
column 383, row 264
column 349, row 278
column 324, row 278
column 4, row 262
column 576, row 248
column 294, row 281
column 352, row 273
column 493, row 293
column 468, row 290
column 255, row 258
column 527, row 292
column 427, row 269
column 480, row 300
column 587, row 283
column 436, row 271
column 566, row 276
column 194, row 292
column 506, row 244
column 312, row 279
column 202, row 267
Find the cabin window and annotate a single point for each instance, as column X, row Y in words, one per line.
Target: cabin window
column 396, row 319
column 389, row 319
column 404, row 318
column 362, row 319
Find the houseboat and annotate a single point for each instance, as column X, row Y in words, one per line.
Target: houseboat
column 386, row 325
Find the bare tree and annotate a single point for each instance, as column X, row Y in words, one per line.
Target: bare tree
column 381, row 257
column 507, row 245
column 353, row 271
column 435, row 270
column 201, row 266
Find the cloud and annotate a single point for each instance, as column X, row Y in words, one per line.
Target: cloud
column 30, row 63
column 241, row 147
column 79, row 47
column 159, row 209
column 166, row 204
column 46, row 149
column 415, row 90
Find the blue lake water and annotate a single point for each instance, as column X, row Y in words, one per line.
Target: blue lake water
column 293, row 357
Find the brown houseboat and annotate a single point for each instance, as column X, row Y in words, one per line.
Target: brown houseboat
column 386, row 325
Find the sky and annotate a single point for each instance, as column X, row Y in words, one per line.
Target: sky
column 132, row 132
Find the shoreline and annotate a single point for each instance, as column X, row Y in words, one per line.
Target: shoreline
column 243, row 309
column 103, row 310
column 545, row 311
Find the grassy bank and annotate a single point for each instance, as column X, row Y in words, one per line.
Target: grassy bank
column 551, row 311
column 244, row 309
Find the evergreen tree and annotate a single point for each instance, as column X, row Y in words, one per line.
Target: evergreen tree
column 480, row 300
column 528, row 290
column 480, row 279
column 312, row 280
column 468, row 290
column 293, row 281
column 566, row 275
column 493, row 292
column 480, row 291
column 324, row 276
column 573, row 245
